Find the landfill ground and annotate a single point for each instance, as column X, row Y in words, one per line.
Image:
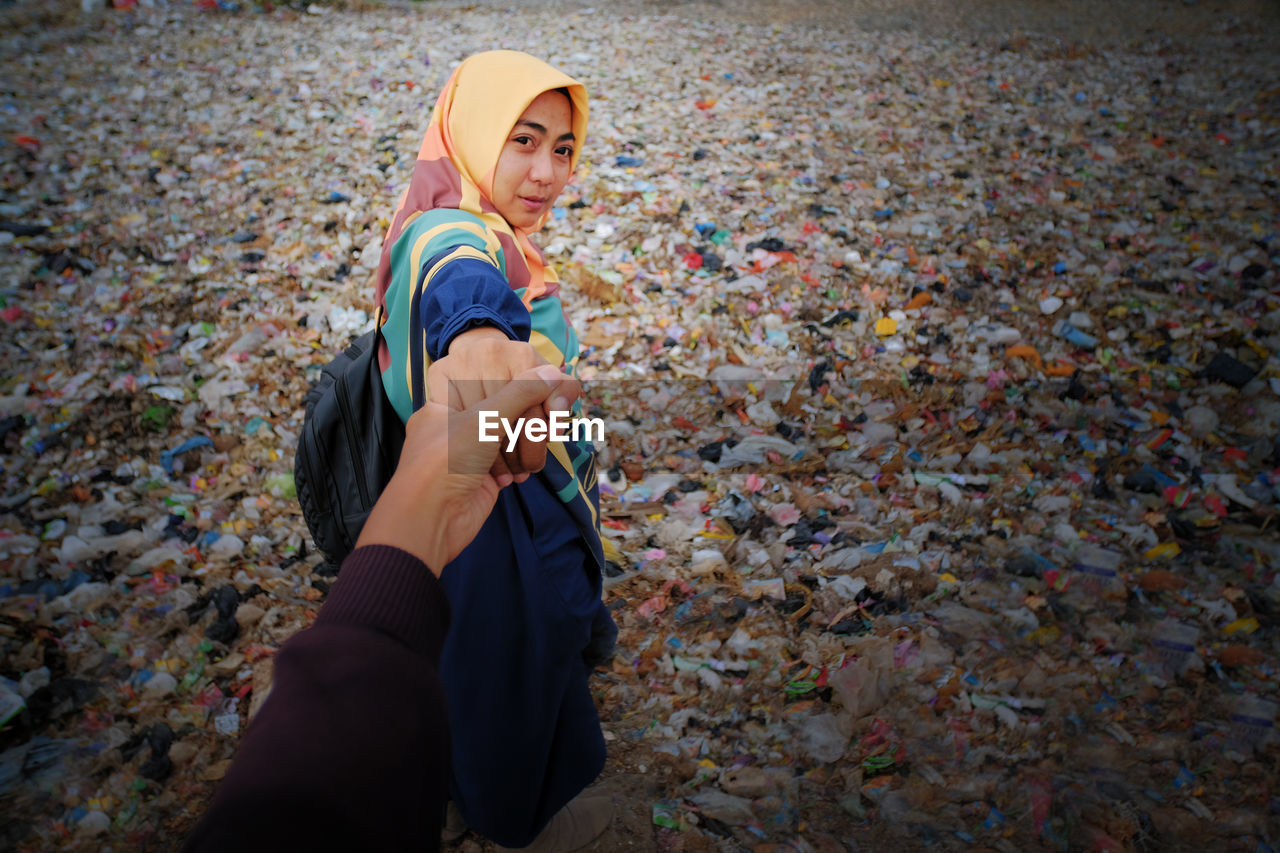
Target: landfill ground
column 938, row 348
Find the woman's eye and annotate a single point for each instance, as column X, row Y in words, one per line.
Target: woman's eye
column 523, row 140
column 564, row 151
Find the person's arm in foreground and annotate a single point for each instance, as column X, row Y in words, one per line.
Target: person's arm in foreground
column 350, row 751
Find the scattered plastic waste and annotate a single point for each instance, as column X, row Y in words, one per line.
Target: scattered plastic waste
column 1173, row 643
column 942, row 455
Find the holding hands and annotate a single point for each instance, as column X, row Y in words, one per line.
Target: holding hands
column 478, row 364
column 445, row 484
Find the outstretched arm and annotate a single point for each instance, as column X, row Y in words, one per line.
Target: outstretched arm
column 350, row 750
column 476, row 332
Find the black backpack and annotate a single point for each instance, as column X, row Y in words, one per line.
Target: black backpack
column 348, row 448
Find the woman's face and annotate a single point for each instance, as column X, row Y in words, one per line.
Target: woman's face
column 534, row 164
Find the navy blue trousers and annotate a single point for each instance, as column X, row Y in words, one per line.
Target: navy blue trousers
column 524, row 597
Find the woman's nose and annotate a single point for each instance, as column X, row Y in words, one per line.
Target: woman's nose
column 541, row 171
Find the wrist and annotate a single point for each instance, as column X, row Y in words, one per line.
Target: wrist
column 472, row 337
column 423, row 537
column 435, row 553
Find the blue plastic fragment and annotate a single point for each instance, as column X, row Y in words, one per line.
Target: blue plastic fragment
column 1043, row 562
column 168, row 456
column 1161, row 479
column 73, row 580
column 1075, row 336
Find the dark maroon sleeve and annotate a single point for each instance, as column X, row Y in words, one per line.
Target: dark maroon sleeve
column 350, row 749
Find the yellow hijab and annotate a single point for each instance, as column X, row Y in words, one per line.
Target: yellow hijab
column 474, row 114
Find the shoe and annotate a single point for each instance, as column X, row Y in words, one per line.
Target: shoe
column 579, row 823
column 454, row 825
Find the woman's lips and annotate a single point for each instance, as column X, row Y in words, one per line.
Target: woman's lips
column 532, row 203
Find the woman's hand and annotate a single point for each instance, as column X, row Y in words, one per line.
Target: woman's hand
column 478, row 364
column 444, row 487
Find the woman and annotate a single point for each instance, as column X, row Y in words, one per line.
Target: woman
column 460, row 284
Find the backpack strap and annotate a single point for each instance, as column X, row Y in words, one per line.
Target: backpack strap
column 417, row 348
